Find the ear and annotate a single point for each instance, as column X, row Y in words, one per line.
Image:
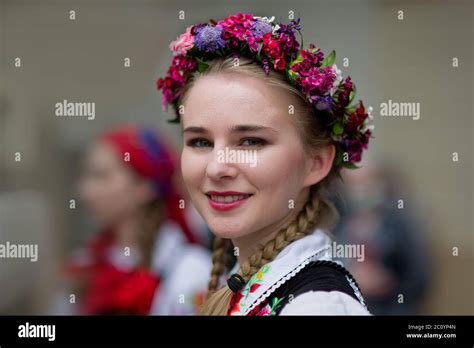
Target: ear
column 319, row 164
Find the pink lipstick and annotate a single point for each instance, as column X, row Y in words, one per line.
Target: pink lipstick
column 225, row 201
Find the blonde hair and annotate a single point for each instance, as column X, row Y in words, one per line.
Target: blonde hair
column 151, row 220
column 318, row 209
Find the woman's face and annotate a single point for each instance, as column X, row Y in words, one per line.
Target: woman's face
column 110, row 190
column 226, row 112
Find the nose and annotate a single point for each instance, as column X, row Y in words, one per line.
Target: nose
column 218, row 167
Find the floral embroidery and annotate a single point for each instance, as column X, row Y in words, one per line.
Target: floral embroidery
column 269, row 309
column 239, row 298
column 257, row 296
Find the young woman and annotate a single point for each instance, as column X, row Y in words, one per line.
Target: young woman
column 245, row 84
column 146, row 259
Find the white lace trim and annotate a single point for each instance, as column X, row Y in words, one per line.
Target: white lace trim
column 357, row 292
column 284, row 279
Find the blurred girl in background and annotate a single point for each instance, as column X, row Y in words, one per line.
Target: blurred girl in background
column 145, row 259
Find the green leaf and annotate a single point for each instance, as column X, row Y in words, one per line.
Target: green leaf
column 350, row 165
column 301, row 37
column 293, row 76
column 329, row 60
column 193, row 51
column 202, row 65
column 353, row 93
column 338, row 159
column 298, row 59
column 258, row 57
column 350, row 109
column 337, row 128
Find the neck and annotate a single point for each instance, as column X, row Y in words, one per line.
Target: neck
column 126, row 233
column 248, row 244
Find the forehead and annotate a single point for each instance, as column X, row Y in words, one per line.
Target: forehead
column 224, row 98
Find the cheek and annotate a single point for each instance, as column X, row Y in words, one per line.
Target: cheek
column 279, row 170
column 193, row 169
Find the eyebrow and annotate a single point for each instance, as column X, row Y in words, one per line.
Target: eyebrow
column 234, row 129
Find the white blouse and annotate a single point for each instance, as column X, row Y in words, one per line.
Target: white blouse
column 324, row 303
column 291, row 260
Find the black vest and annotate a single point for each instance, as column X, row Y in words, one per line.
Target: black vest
column 320, row 275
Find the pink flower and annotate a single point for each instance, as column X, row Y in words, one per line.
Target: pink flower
column 312, row 57
column 267, row 310
column 239, row 25
column 183, row 43
column 173, row 84
column 317, row 81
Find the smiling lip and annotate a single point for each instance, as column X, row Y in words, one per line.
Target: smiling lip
column 224, row 201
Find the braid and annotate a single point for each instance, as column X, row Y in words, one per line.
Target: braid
column 318, row 210
column 220, row 247
column 299, row 228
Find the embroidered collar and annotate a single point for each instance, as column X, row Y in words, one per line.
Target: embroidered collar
column 287, row 264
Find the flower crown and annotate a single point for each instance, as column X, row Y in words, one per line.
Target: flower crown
column 275, row 46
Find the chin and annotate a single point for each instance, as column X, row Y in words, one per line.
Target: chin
column 229, row 228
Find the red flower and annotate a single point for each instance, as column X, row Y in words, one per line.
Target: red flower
column 280, row 49
column 356, row 119
column 343, row 97
column 272, row 49
column 254, row 287
column 355, row 147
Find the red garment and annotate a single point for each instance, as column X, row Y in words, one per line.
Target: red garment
column 113, row 291
column 110, row 290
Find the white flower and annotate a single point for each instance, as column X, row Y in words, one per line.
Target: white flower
column 265, row 19
column 275, row 29
column 366, row 128
column 269, row 21
column 369, row 112
column 338, row 79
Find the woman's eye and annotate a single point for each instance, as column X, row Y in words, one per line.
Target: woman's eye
column 198, row 143
column 253, row 142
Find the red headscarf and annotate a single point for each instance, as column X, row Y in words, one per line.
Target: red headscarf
column 150, row 156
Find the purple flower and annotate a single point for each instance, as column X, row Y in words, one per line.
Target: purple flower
column 266, row 66
column 208, row 38
column 290, row 28
column 260, row 28
column 355, row 147
column 322, row 103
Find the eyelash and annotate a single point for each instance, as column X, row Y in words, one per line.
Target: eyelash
column 194, row 142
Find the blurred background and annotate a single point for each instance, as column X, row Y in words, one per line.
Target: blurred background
column 403, row 60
